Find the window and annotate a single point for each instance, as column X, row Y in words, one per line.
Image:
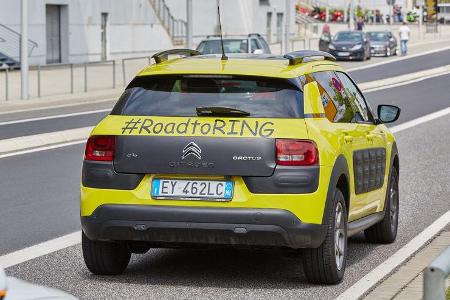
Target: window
column 180, row 95
column 255, row 45
column 355, row 98
column 336, row 105
column 264, row 2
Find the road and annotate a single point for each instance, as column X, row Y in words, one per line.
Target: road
column 40, row 201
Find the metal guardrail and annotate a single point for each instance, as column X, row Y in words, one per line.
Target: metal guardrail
column 70, row 67
column 85, row 66
column 124, row 74
column 435, row 277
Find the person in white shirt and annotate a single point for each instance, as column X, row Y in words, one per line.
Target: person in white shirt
column 404, row 33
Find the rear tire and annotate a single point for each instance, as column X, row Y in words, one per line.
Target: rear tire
column 385, row 231
column 105, row 258
column 326, row 264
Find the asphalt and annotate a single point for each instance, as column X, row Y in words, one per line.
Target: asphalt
column 40, row 201
column 396, row 68
column 236, row 274
column 406, row 66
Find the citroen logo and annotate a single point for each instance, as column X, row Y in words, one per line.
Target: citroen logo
column 192, row 149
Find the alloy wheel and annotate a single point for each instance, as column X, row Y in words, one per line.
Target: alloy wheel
column 339, row 236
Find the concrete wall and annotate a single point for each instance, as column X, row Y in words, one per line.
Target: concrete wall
column 134, row 29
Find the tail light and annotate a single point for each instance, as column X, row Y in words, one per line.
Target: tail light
column 296, row 153
column 100, row 148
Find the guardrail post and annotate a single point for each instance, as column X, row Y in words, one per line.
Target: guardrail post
column 85, row 78
column 6, row 85
column 123, row 73
column 71, row 78
column 435, row 276
column 114, row 74
column 39, row 81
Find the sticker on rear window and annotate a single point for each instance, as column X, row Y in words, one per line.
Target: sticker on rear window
column 223, row 127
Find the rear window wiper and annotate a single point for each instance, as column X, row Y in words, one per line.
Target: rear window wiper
column 220, row 111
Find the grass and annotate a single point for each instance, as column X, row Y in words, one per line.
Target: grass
column 448, row 293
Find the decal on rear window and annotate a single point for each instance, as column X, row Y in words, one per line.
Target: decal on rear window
column 193, row 126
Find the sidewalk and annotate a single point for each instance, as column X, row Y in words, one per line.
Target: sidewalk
column 406, row 283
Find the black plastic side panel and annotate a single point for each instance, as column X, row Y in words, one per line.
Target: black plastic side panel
column 369, row 167
column 101, row 175
column 364, row 223
column 340, row 168
column 286, row 180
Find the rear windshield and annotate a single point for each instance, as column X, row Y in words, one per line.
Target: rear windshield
column 378, row 36
column 229, row 45
column 348, row 36
column 182, row 95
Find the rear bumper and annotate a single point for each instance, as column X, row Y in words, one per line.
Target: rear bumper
column 167, row 226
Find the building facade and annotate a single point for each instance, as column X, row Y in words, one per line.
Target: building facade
column 72, row 31
column 75, row 31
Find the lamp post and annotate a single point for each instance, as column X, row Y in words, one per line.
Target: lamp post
column 24, row 49
column 288, row 26
column 351, row 21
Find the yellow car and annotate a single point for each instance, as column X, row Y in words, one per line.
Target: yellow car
column 254, row 150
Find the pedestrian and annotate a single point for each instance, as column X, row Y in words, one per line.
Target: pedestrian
column 404, row 33
column 326, row 29
column 360, row 24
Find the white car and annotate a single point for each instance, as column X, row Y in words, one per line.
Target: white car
column 15, row 289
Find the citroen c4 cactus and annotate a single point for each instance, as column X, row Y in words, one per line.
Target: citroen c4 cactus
column 255, row 151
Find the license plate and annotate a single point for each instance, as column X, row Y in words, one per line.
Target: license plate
column 192, row 189
column 343, row 53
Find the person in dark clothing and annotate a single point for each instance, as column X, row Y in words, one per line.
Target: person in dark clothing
column 360, row 24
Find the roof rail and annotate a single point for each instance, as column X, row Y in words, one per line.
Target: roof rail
column 212, row 35
column 297, row 57
column 254, row 34
column 164, row 55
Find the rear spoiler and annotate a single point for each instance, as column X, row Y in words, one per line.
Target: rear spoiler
column 164, row 55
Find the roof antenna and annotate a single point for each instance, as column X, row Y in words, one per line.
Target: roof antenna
column 224, row 57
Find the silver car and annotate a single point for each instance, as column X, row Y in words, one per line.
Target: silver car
column 253, row 43
column 15, row 289
column 382, row 43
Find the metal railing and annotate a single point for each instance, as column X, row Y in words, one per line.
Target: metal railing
column 124, row 67
column 435, row 277
column 176, row 28
column 39, row 69
column 10, row 43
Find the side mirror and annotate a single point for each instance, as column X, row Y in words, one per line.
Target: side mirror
column 258, row 51
column 388, row 113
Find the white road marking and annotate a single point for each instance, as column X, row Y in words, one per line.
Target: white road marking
column 381, row 271
column 420, row 120
column 55, row 116
column 26, row 254
column 43, row 139
column 397, row 59
column 56, row 106
column 38, row 149
column 389, row 86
